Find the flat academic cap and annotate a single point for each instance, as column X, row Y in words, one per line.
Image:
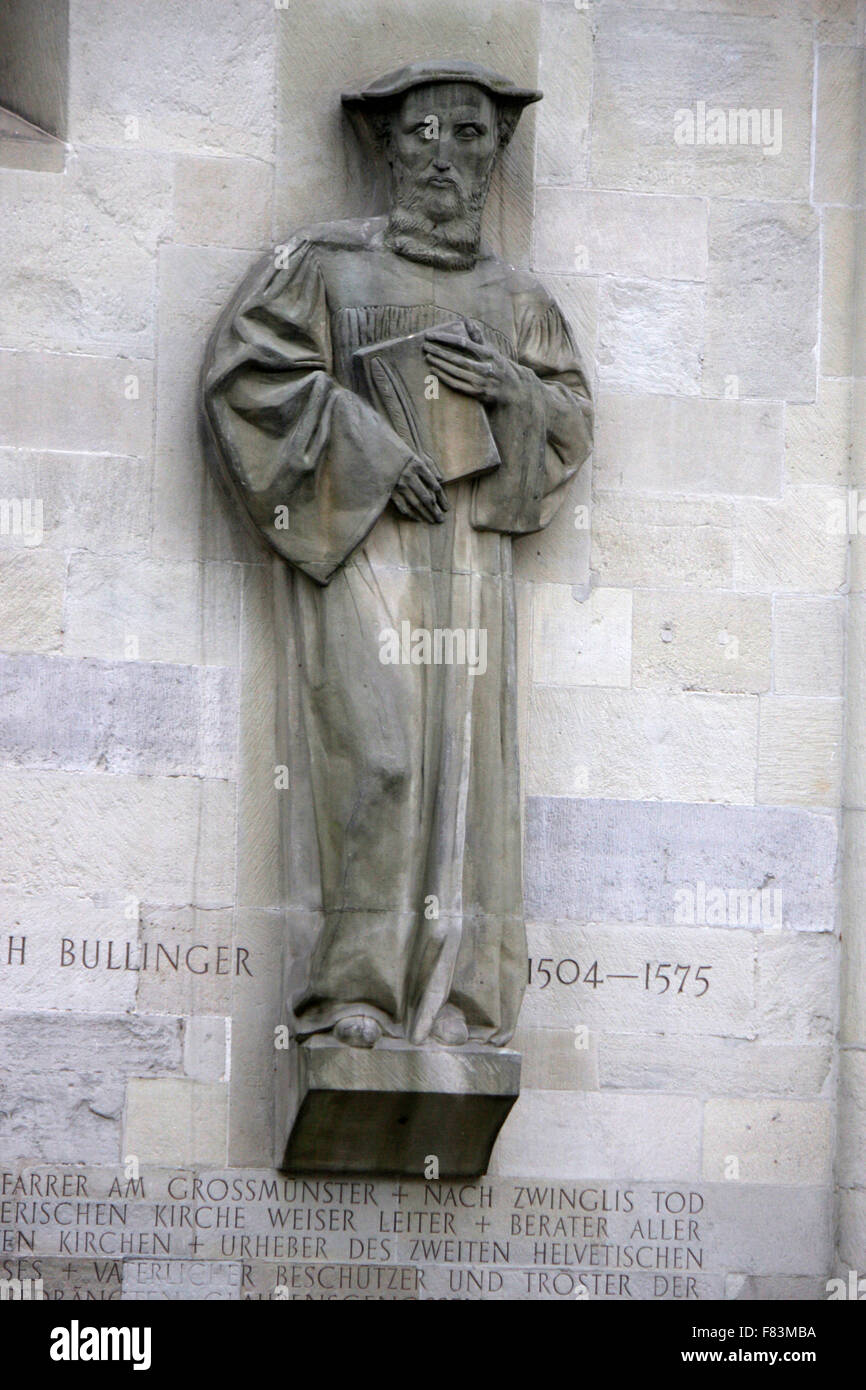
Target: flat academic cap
column 394, row 84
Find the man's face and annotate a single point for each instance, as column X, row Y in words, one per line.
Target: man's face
column 444, row 142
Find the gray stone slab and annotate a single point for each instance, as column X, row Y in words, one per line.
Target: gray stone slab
column 131, row 1046
column 625, row 861
column 126, row 716
column 720, row 1066
column 752, row 1288
column 391, row 1108
column 62, row 1081
column 60, row 1116
column 768, row 1230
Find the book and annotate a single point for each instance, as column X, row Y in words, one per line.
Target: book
column 451, row 428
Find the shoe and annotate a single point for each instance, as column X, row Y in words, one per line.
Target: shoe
column 450, row 1027
column 356, row 1030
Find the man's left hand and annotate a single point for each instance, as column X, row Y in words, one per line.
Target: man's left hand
column 470, row 366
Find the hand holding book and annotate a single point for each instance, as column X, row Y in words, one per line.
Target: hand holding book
column 448, row 429
column 466, row 364
column 418, row 492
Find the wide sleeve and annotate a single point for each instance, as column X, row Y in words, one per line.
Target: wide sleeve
column 311, row 463
column 546, row 436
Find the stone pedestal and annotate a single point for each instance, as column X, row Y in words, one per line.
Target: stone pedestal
column 392, row 1108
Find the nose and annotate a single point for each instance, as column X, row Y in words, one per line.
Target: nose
column 441, row 160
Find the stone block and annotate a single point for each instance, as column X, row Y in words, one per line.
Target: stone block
column 257, row 1008
column 79, row 274
column 808, row 646
column 660, row 542
column 672, row 444
column 836, row 21
column 89, row 716
column 672, row 981
column 555, row 1059
column 818, row 436
column 650, row 336
column 168, row 838
column 762, row 301
column 523, row 593
column 784, row 1142
column 69, row 1116
column 852, row 1230
column 721, row 1066
column 790, row 544
column 153, row 610
column 176, row 1123
column 838, row 292
column 31, row 601
column 851, row 1151
column 192, row 518
column 551, row 1134
column 389, row 1108
column 54, row 953
column 689, row 641
column 837, row 138
column 205, row 946
column 852, row 1006
column 762, row 1229
column 76, row 403
column 116, row 1046
column 796, row 981
column 578, row 641
column 623, row 234
column 261, row 747
column 855, row 710
column 650, row 65
column 565, row 77
column 78, row 501
column 223, row 202
column 205, row 84
column 800, row 751
column 205, row 1048
column 626, row 861
column 642, row 744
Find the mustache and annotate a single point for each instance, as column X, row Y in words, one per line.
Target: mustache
column 440, row 178
column 411, row 193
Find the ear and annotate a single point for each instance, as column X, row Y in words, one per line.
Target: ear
column 380, row 128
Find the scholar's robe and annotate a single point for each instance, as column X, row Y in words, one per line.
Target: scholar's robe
column 412, row 769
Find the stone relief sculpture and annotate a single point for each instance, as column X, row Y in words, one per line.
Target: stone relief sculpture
column 390, row 405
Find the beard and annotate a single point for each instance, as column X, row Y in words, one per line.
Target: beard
column 437, row 226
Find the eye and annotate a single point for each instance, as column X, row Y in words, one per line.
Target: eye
column 469, row 132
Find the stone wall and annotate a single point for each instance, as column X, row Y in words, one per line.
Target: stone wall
column 683, row 668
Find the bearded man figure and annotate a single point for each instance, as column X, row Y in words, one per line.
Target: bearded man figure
column 413, row 820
